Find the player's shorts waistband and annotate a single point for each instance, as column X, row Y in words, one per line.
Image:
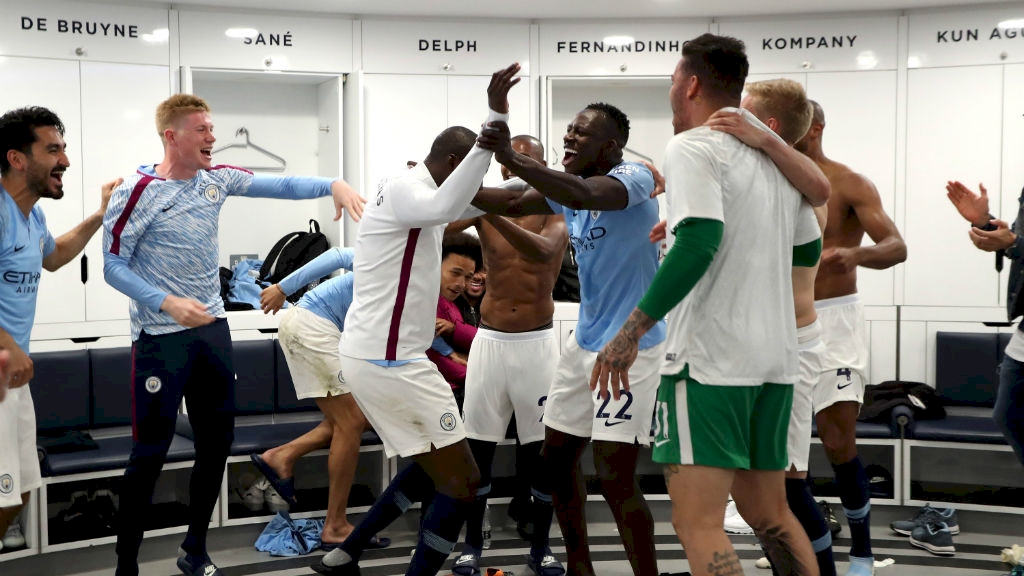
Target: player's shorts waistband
column 809, row 336
column 497, row 335
column 837, row 301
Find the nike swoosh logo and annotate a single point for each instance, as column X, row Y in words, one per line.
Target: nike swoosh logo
column 660, row 442
column 19, row 248
column 167, row 208
column 847, row 386
column 610, row 424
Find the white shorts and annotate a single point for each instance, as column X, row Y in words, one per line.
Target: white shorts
column 410, row 407
column 812, row 348
column 845, row 362
column 310, row 346
column 19, row 460
column 573, row 409
column 509, row 373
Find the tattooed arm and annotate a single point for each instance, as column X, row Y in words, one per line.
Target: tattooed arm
column 697, row 240
column 619, row 354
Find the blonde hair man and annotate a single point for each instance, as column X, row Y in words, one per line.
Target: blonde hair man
column 160, row 249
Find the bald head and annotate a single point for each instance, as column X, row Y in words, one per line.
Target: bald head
column 530, row 146
column 448, row 150
column 456, row 141
column 527, row 146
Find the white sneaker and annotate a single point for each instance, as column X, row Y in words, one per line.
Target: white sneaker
column 14, row 538
column 275, row 503
column 763, row 564
column 253, row 498
column 734, row 523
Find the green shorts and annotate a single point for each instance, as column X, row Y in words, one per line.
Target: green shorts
column 734, row 427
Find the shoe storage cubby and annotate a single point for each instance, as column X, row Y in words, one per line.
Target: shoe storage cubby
column 80, row 510
column 882, row 463
column 245, row 501
column 968, row 476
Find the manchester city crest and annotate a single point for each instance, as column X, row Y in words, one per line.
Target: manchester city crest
column 153, row 384
column 448, row 422
column 212, row 193
column 6, row 484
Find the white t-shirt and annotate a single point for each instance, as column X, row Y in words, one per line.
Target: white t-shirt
column 736, row 326
column 397, row 267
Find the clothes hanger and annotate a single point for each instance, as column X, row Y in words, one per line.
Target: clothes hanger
column 243, row 131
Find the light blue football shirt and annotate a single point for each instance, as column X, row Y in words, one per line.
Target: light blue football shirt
column 24, row 242
column 616, row 260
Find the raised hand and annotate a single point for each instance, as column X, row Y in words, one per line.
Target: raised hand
column 272, row 299
column 973, row 207
column 501, row 82
column 346, row 197
column 496, row 138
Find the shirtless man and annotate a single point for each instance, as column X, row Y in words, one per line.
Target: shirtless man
column 853, row 209
column 513, row 360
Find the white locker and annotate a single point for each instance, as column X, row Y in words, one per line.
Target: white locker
column 860, row 131
column 118, row 134
column 405, row 112
column 54, row 84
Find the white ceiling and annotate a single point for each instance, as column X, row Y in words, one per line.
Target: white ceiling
column 574, row 9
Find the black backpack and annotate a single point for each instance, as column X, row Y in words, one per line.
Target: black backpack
column 291, row 253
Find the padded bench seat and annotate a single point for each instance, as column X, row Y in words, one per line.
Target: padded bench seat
column 865, row 430
column 112, row 454
column 956, row 428
column 255, row 436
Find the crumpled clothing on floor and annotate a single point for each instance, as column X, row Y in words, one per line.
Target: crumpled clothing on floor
column 284, row 536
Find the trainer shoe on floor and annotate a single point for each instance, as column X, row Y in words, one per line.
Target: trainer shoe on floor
column 468, row 563
column 830, row 518
column 254, row 496
column 194, row 565
column 14, row 538
column 734, row 523
column 928, row 515
column 935, row 538
column 275, row 503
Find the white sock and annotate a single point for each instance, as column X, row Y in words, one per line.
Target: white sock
column 336, row 557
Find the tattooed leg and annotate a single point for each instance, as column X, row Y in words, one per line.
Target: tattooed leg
column 761, row 500
column 699, row 495
column 725, row 563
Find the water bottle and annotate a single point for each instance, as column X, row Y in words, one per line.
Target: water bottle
column 487, row 526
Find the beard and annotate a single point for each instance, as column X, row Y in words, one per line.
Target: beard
column 39, row 183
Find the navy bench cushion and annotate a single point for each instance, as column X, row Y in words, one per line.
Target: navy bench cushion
column 956, row 428
column 287, row 401
column 254, row 368
column 965, row 368
column 112, row 454
column 254, row 437
column 864, row 430
column 60, row 389
column 111, row 386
